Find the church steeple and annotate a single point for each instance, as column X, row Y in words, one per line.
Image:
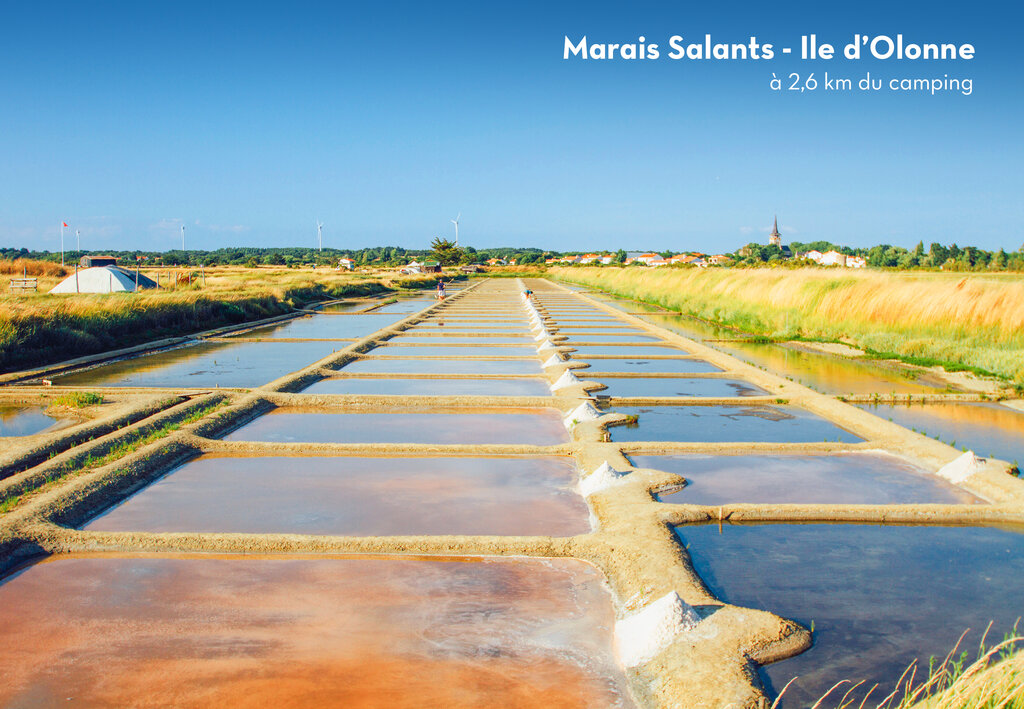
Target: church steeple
column 775, row 238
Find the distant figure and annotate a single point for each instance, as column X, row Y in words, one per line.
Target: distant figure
column 440, row 289
column 528, row 293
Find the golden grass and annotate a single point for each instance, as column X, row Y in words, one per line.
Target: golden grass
column 973, row 320
column 37, row 328
column 28, row 267
column 995, row 680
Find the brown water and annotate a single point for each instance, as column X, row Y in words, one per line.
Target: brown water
column 854, row 478
column 878, row 596
column 361, row 633
column 20, row 420
column 431, row 387
column 990, row 430
column 359, row 496
column 540, row 427
column 206, row 365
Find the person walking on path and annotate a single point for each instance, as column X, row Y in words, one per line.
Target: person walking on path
column 440, row 289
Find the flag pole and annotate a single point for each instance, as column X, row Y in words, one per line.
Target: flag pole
column 62, row 244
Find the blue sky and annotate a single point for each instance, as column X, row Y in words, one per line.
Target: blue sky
column 246, row 122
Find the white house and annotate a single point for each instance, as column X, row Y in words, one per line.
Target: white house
column 832, row 258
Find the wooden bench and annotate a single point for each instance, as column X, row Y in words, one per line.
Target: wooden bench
column 25, row 284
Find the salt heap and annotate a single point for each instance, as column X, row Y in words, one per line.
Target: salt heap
column 601, row 479
column 642, row 635
column 552, row 360
column 962, row 468
column 567, row 379
column 583, row 412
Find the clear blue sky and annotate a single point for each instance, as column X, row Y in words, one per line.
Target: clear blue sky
column 248, row 121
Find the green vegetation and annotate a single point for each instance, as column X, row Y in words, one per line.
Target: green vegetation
column 84, row 464
column 947, row 258
column 78, row 399
column 967, row 322
column 994, row 680
column 38, row 329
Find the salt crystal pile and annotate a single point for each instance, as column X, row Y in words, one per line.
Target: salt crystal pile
column 567, row 379
column 962, row 468
column 583, row 412
column 552, row 360
column 643, row 635
column 601, row 479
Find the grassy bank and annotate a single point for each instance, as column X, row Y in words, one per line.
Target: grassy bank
column 966, row 321
column 39, row 328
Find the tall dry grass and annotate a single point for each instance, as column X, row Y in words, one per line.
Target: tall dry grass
column 972, row 320
column 28, row 267
column 39, row 328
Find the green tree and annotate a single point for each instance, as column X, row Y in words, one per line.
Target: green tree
column 620, row 256
column 446, row 252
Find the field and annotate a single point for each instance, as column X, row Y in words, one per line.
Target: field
column 962, row 321
column 39, row 328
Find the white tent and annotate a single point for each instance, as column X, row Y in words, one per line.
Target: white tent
column 101, row 279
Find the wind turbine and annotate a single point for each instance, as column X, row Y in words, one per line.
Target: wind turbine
column 182, row 237
column 455, row 221
column 320, row 233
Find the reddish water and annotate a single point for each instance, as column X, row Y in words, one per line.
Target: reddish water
column 541, row 427
column 157, row 632
column 359, row 496
column 431, row 387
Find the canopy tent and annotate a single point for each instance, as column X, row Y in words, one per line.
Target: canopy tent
column 102, row 279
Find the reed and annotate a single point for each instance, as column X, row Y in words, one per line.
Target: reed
column 973, row 321
column 995, row 680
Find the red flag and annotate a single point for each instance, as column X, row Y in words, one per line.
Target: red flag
column 64, row 223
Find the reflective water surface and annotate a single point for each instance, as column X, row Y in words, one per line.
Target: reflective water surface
column 20, row 420
column 849, row 478
column 990, row 430
column 675, row 386
column 209, row 364
column 661, row 366
column 312, row 632
column 325, row 327
column 359, row 496
column 878, row 597
column 431, row 387
column 445, row 366
column 772, row 424
column 541, row 427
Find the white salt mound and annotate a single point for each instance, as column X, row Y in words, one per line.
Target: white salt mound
column 642, row 635
column 567, row 379
column 546, row 345
column 552, row 360
column 601, row 479
column 962, row 468
column 583, row 412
